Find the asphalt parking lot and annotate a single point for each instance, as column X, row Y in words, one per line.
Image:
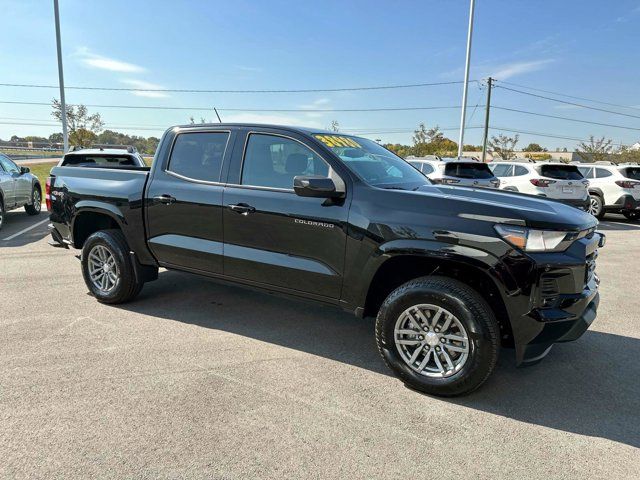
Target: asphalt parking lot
column 203, row 380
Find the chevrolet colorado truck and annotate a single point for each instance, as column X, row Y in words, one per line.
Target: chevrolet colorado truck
column 452, row 274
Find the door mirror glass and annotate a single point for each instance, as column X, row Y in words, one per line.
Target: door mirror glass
column 315, row 186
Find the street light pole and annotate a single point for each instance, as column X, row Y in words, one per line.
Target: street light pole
column 463, row 115
column 63, row 104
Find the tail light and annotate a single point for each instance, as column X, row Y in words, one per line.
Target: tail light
column 47, row 193
column 541, row 182
column 626, row 183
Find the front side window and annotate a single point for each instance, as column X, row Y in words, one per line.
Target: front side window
column 373, row 163
column 8, row 165
column 273, row 161
column 602, row 173
column 199, row 155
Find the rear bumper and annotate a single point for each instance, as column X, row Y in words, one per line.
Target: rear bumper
column 581, row 203
column 626, row 203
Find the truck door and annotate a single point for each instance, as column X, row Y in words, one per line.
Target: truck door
column 272, row 236
column 184, row 201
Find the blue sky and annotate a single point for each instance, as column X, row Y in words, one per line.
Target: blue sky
column 585, row 48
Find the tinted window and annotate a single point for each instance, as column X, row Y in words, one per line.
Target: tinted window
column 631, row 172
column 502, row 170
column 587, row 172
column 560, row 172
column 272, row 161
column 89, row 160
column 601, row 173
column 520, row 170
column 427, row 168
column 8, row 165
column 199, row 155
column 468, row 170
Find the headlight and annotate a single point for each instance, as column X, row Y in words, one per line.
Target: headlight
column 531, row 240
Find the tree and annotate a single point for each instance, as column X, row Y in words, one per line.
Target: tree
column 534, row 147
column 56, row 138
column 424, row 135
column 503, row 146
column 334, row 127
column 626, row 154
column 83, row 128
column 472, row 148
column 597, row 149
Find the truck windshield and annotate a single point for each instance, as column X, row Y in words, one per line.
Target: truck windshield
column 373, row 163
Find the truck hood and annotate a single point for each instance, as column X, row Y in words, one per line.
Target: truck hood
column 501, row 206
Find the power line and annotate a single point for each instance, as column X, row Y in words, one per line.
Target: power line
column 280, row 110
column 189, row 90
column 570, row 96
column 550, row 135
column 565, row 118
column 569, row 103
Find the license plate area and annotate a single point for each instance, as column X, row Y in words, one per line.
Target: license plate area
column 567, row 189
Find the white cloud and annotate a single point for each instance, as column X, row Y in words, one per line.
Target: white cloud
column 503, row 72
column 101, row 62
column 147, row 86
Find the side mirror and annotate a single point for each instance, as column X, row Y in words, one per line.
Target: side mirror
column 24, row 170
column 319, row 187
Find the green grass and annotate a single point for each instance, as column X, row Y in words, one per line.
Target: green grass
column 41, row 170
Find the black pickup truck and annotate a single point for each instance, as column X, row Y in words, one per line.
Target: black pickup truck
column 451, row 273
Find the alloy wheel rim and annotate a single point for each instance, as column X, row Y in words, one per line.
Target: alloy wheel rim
column 37, row 200
column 103, row 270
column 593, row 206
column 431, row 341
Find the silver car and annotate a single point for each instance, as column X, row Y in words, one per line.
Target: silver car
column 18, row 188
column 458, row 172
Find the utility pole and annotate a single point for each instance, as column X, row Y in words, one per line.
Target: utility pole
column 463, row 115
column 486, row 120
column 63, row 104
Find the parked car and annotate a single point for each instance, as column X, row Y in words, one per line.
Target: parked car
column 613, row 189
column 18, row 188
column 557, row 181
column 458, row 172
column 102, row 157
column 449, row 273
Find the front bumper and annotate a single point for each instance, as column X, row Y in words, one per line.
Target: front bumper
column 560, row 304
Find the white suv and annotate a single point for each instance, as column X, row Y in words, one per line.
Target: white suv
column 613, row 189
column 457, row 172
column 557, row 181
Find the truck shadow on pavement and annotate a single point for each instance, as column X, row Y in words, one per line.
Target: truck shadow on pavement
column 589, row 387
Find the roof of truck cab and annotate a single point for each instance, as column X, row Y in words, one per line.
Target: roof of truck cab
column 302, row 130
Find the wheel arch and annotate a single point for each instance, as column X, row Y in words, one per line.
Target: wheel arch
column 91, row 218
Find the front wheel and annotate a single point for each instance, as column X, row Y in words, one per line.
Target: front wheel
column 107, row 268
column 632, row 215
column 438, row 335
column 36, row 202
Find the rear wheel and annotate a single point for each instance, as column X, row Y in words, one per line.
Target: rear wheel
column 632, row 215
column 1, row 212
column 438, row 335
column 596, row 206
column 36, row 202
column 107, row 268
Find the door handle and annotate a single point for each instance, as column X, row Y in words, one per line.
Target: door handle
column 242, row 208
column 166, row 199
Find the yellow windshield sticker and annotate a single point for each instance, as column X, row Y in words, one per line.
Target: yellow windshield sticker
column 332, row 141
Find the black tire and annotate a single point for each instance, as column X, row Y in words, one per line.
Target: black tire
column 126, row 287
column 36, row 202
column 632, row 215
column 597, row 206
column 472, row 312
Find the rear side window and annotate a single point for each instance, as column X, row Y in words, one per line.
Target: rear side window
column 502, row 170
column 272, row 161
column 199, row 156
column 560, row 172
column 520, row 170
column 602, row 173
column 587, row 172
column 100, row 160
column 468, row 170
column 427, row 168
column 632, row 172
